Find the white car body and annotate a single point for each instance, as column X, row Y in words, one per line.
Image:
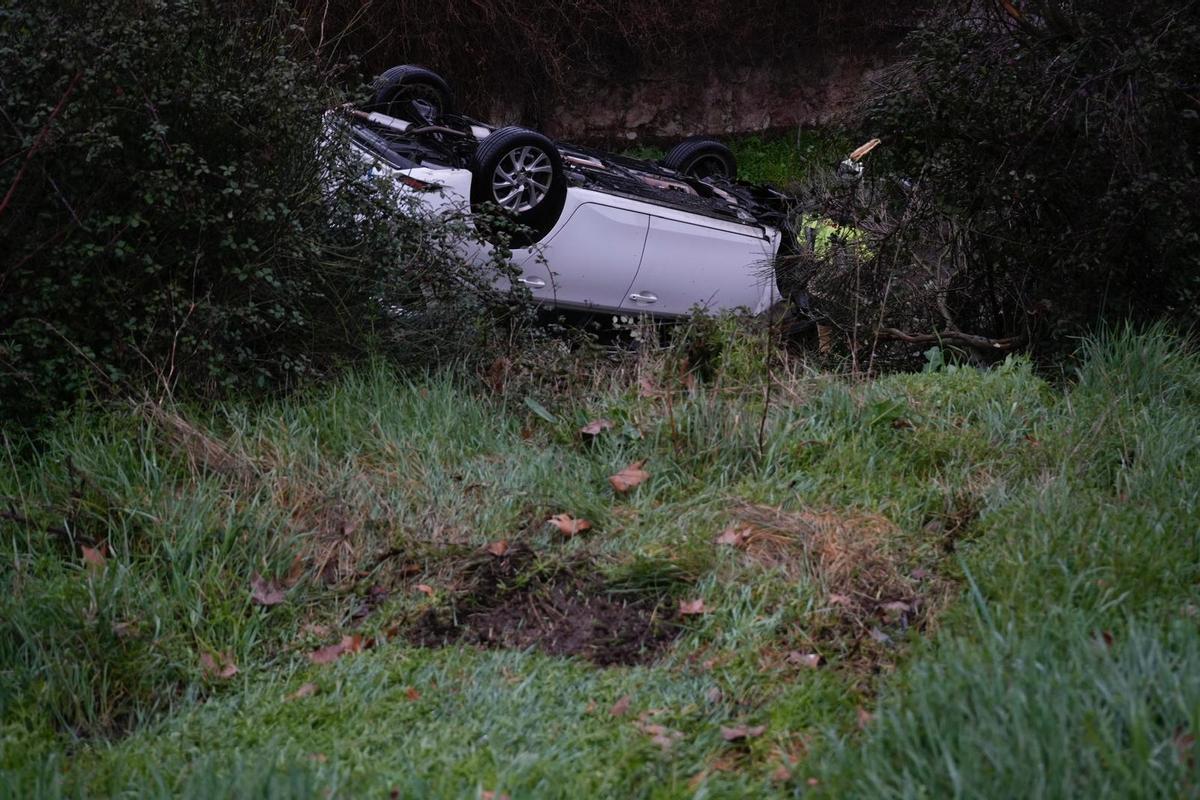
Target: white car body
column 632, row 237
column 623, row 255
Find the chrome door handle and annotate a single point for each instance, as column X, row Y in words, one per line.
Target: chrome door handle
column 644, row 297
column 533, row 283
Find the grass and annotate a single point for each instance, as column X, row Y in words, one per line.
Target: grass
column 1042, row 541
column 782, row 159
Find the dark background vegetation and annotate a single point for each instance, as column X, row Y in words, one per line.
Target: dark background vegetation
column 529, row 53
column 1058, row 144
column 167, row 221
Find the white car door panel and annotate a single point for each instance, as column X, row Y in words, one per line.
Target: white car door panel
column 687, row 264
column 593, row 257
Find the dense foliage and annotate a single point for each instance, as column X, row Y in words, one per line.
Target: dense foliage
column 174, row 214
column 1060, row 143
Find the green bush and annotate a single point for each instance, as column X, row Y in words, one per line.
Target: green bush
column 175, row 213
column 1060, row 140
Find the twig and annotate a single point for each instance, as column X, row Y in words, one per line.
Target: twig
column 953, row 337
column 41, row 139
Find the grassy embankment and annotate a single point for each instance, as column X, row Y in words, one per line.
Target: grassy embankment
column 999, row 578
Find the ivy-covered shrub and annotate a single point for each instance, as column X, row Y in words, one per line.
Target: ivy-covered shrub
column 1060, row 143
column 176, row 214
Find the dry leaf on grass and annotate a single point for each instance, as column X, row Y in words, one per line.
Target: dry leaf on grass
column 568, row 525
column 740, row 733
column 126, row 630
column 348, row 644
column 810, row 660
column 498, row 549
column 94, row 556
column 864, row 717
column 424, row 588
column 488, row 794
column 630, row 477
column 596, row 427
column 265, row 592
column 220, row 666
column 307, row 690
column 621, row 707
column 412, row 694
column 661, row 735
column 734, row 537
column 689, row 608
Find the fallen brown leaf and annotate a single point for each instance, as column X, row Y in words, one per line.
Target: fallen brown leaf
column 125, row 630
column 568, row 525
column 294, row 573
column 320, row 758
column 810, row 660
column 94, row 556
column 307, row 690
column 412, row 694
column 840, row 600
column 498, row 549
column 596, row 427
column 864, row 717
column 648, row 389
column 488, row 794
column 265, row 592
column 224, row 668
column 348, row 644
column 781, row 774
column 1184, row 744
column 689, row 608
column 425, row 588
column 630, row 477
column 497, row 374
column 661, row 735
column 313, row 629
column 621, row 707
column 740, row 733
column 734, row 537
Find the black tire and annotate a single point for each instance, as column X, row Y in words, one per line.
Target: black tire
column 534, row 209
column 413, row 94
column 702, row 158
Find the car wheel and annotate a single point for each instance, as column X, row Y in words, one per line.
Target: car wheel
column 518, row 173
column 702, row 158
column 413, row 94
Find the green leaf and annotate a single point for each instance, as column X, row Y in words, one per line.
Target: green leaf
column 540, row 410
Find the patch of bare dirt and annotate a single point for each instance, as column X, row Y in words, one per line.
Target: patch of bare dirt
column 514, row 603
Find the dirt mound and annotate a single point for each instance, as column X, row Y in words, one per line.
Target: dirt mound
column 515, row 604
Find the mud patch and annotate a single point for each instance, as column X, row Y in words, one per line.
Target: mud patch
column 514, row 604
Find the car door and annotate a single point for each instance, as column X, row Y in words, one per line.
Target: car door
column 707, row 263
column 591, row 260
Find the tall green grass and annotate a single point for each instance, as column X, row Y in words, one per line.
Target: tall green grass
column 1076, row 511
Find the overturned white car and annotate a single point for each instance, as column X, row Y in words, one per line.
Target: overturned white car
column 595, row 231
